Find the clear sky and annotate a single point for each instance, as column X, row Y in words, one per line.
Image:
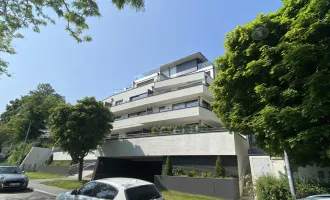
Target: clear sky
column 125, row 43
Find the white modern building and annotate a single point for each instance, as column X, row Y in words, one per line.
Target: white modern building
column 167, row 112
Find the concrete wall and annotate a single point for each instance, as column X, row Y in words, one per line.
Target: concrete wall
column 312, row 171
column 241, row 148
column 59, row 170
column 220, row 188
column 217, row 143
column 57, row 156
column 36, row 157
column 179, row 80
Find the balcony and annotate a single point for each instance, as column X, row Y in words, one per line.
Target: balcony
column 177, row 116
column 164, row 97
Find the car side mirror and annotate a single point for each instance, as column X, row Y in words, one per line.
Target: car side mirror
column 23, row 172
column 74, row 192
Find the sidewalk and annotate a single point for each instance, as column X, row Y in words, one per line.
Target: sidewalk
column 54, row 191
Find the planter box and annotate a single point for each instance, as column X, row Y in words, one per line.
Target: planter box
column 59, row 170
column 219, row 188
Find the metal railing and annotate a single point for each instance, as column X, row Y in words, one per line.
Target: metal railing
column 166, row 133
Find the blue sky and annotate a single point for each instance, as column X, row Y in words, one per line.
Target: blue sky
column 125, row 43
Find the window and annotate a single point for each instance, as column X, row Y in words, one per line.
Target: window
column 142, row 193
column 88, row 189
column 118, row 117
column 132, row 115
column 206, row 105
column 193, row 103
column 208, row 73
column 140, row 96
column 119, row 102
column 178, row 106
column 162, row 109
column 105, row 191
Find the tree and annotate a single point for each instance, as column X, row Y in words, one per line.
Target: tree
column 278, row 88
column 219, row 169
column 79, row 129
column 33, row 108
column 21, row 14
column 168, row 171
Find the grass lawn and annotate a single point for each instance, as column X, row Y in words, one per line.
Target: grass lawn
column 169, row 195
column 173, row 195
column 38, row 175
column 65, row 184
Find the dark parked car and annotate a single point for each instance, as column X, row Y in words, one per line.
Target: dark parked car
column 11, row 177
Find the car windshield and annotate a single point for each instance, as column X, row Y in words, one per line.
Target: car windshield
column 10, row 170
column 145, row 192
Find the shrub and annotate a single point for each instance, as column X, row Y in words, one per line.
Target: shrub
column 308, row 187
column 179, row 172
column 206, row 175
column 193, row 173
column 163, row 129
column 219, row 169
column 154, row 130
column 50, row 160
column 269, row 187
column 168, row 171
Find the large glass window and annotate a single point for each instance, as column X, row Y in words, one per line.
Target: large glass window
column 142, row 193
column 178, row 106
column 105, row 191
column 140, row 96
column 162, row 109
column 88, row 189
column 193, row 103
column 119, row 102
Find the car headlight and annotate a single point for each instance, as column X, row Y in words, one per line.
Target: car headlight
column 26, row 178
column 2, row 179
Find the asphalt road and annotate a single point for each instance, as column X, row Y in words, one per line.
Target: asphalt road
column 27, row 194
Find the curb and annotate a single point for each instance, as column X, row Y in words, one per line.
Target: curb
column 54, row 195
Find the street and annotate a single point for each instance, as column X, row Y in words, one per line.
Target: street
column 28, row 194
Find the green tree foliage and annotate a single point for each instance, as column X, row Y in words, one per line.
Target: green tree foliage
column 79, row 129
column 219, row 169
column 21, row 14
column 278, row 88
column 33, row 107
column 168, row 171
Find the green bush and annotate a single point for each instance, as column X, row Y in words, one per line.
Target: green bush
column 219, row 169
column 163, row 129
column 193, row 173
column 168, row 171
column 206, row 175
column 270, row 188
column 154, row 130
column 308, row 187
column 61, row 163
column 179, row 172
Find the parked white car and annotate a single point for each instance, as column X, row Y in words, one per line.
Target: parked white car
column 115, row 189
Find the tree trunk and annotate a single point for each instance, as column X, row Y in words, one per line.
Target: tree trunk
column 81, row 165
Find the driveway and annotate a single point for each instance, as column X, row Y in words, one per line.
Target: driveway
column 28, row 194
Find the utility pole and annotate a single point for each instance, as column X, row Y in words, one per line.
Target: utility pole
column 290, row 177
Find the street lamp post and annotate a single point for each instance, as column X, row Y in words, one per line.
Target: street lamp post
column 24, row 144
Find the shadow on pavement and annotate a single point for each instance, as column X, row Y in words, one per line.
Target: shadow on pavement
column 13, row 191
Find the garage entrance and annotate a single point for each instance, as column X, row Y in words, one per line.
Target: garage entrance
column 140, row 168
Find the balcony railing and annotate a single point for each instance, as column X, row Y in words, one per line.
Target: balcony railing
column 204, row 64
column 150, row 95
column 166, row 133
column 158, row 111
